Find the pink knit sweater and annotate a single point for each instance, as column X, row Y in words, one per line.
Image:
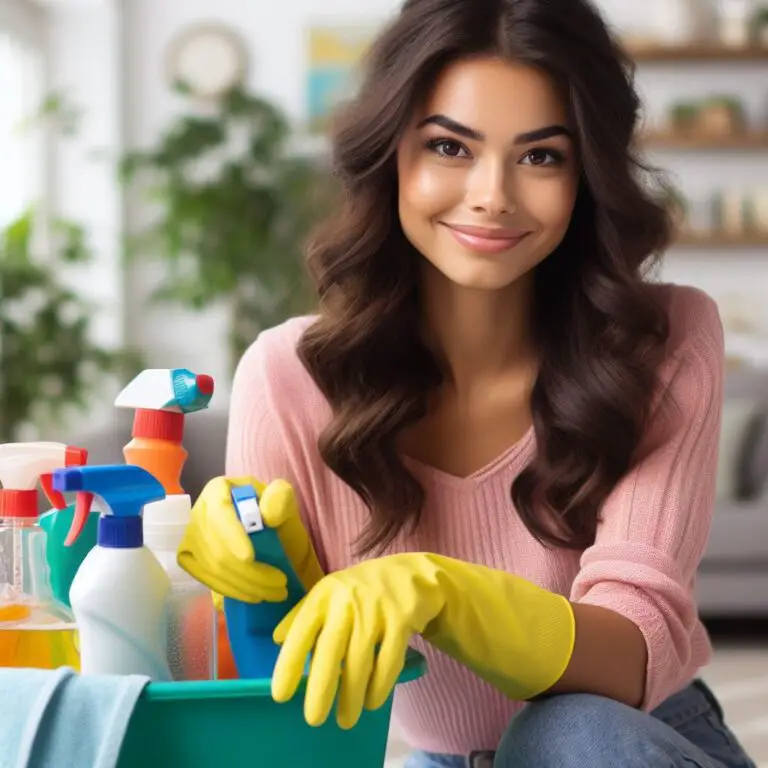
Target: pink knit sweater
column 642, row 565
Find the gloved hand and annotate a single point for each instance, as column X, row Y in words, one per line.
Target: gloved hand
column 510, row 632
column 217, row 551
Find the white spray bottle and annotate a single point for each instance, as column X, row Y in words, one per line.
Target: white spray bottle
column 120, row 592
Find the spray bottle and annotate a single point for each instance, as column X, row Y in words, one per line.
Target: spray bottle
column 119, row 595
column 35, row 630
column 250, row 626
column 161, row 399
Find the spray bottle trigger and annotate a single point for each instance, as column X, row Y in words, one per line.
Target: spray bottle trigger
column 56, row 498
column 83, row 502
column 73, row 457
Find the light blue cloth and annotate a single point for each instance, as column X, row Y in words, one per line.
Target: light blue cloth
column 56, row 718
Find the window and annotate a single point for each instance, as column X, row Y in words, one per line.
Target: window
column 22, row 152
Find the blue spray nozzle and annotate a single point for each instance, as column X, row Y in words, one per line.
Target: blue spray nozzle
column 193, row 391
column 122, row 491
column 177, row 390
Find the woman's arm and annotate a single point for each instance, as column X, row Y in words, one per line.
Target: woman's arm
column 263, row 438
column 633, row 600
column 609, row 657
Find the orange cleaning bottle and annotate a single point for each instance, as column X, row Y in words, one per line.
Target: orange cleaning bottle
column 157, row 447
column 161, row 399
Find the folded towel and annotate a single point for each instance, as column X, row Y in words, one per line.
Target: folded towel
column 56, row 718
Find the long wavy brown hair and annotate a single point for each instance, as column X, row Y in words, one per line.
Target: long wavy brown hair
column 600, row 325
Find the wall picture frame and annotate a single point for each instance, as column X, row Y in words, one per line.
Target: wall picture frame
column 334, row 56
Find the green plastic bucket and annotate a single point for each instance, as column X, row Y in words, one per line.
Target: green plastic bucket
column 236, row 724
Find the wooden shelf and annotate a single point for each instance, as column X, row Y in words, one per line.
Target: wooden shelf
column 747, row 142
column 721, row 240
column 700, row 52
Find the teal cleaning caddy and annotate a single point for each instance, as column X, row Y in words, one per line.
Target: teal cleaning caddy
column 233, row 724
column 213, row 724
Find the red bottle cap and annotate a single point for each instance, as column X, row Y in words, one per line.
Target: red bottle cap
column 15, row 503
column 204, row 383
column 159, row 425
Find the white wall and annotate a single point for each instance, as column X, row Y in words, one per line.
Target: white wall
column 83, row 166
column 84, row 64
column 275, row 33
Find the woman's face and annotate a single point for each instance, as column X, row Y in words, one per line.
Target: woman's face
column 488, row 173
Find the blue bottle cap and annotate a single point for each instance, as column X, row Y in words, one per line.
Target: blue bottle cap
column 120, row 532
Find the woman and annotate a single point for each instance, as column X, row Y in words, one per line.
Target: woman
column 502, row 438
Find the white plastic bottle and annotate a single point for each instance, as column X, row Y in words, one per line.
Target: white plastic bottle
column 191, row 615
column 120, row 593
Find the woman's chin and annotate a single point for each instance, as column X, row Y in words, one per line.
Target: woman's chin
column 480, row 277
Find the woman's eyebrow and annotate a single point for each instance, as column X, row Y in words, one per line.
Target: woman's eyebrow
column 538, row 134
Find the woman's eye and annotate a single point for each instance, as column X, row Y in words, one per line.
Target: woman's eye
column 543, row 157
column 448, row 148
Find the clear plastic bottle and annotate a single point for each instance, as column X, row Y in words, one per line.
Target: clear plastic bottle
column 191, row 614
column 35, row 630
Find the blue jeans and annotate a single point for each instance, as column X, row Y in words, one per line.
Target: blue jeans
column 586, row 731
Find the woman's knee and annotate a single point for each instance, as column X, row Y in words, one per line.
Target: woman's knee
column 579, row 731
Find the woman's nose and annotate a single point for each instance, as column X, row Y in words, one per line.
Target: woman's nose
column 488, row 189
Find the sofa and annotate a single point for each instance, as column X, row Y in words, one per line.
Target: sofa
column 733, row 579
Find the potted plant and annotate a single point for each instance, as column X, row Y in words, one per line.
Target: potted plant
column 50, row 364
column 684, row 116
column 722, row 115
column 235, row 205
column 760, row 25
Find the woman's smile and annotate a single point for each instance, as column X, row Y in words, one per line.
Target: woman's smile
column 485, row 239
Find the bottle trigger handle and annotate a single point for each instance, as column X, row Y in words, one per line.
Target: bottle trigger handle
column 73, row 457
column 83, row 504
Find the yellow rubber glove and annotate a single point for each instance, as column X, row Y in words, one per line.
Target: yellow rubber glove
column 510, row 632
column 217, row 551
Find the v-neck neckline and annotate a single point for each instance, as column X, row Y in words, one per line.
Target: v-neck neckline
column 510, row 456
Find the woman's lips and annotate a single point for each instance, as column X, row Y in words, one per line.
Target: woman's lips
column 486, row 239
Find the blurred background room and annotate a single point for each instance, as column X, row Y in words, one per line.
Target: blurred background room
column 162, row 160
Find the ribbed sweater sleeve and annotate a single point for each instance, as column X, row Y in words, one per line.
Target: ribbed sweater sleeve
column 262, row 439
column 654, row 526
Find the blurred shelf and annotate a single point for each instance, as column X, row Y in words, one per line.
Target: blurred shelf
column 700, row 52
column 756, row 140
column 721, row 240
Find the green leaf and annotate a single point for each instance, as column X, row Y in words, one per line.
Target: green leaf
column 233, row 210
column 45, row 329
column 72, row 245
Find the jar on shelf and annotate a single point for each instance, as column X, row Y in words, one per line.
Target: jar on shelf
column 759, row 206
column 734, row 22
column 729, row 211
column 760, row 26
column 679, row 22
column 721, row 116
